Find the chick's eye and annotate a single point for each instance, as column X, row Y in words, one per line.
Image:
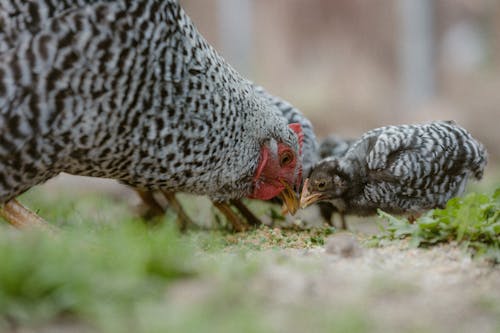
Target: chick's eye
column 321, row 185
column 286, row 158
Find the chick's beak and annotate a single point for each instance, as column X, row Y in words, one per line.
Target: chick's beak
column 290, row 198
column 307, row 198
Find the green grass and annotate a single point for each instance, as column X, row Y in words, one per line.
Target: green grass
column 125, row 277
column 473, row 222
column 105, row 271
column 83, row 273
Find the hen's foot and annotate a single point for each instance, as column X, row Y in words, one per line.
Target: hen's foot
column 21, row 217
column 150, row 208
column 236, row 221
column 183, row 220
column 247, row 213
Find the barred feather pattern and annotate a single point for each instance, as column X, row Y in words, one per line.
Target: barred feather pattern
column 407, row 168
column 127, row 90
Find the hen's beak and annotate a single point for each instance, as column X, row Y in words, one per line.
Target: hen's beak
column 307, row 198
column 290, row 199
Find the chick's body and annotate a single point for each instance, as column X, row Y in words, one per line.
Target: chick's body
column 332, row 146
column 126, row 90
column 400, row 169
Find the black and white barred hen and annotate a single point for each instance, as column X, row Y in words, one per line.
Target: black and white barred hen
column 130, row 90
column 399, row 169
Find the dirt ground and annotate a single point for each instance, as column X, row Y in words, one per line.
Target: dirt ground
column 389, row 289
column 397, row 290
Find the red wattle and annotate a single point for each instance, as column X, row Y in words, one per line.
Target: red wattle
column 265, row 191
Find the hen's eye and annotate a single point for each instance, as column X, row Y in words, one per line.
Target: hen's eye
column 286, row 158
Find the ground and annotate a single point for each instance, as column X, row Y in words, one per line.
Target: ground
column 267, row 280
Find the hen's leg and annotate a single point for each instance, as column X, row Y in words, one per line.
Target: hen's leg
column 182, row 218
column 247, row 213
column 153, row 208
column 21, row 217
column 234, row 219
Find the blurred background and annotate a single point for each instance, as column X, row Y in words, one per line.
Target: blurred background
column 351, row 65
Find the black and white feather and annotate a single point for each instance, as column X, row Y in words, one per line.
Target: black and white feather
column 400, row 169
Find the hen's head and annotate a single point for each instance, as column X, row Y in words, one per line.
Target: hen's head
column 279, row 171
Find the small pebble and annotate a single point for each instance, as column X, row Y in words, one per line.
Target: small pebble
column 343, row 244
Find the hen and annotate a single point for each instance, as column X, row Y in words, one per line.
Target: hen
column 399, row 169
column 130, row 90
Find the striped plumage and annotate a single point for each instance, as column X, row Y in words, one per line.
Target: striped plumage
column 399, row 169
column 128, row 90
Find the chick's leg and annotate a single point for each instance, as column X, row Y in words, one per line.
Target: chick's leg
column 21, row 217
column 234, row 219
column 326, row 210
column 343, row 223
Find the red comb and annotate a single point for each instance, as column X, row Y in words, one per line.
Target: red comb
column 297, row 129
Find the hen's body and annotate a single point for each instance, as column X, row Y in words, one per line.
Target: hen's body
column 126, row 90
column 401, row 169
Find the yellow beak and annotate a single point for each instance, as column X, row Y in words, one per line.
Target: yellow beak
column 290, row 199
column 307, row 198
